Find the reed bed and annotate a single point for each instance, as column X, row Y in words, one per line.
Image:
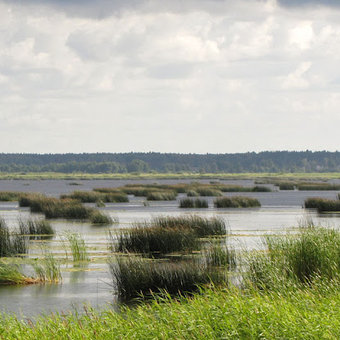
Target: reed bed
column 286, row 186
column 99, row 218
column 238, row 188
column 237, row 202
column 201, row 225
column 9, row 196
column 56, row 208
column 146, row 239
column 317, row 186
column 322, row 204
column 206, row 191
column 218, row 255
column 35, row 227
column 197, row 203
column 161, row 196
column 134, row 277
column 11, row 244
column 192, row 193
column 310, row 255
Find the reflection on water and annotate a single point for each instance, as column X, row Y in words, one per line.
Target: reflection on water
column 91, row 284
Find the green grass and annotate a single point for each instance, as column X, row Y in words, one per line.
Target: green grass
column 100, row 219
column 134, row 276
column 193, row 203
column 236, row 202
column 203, row 226
column 212, row 314
column 47, row 269
column 317, row 186
column 192, row 193
column 95, row 196
column 11, row 244
column 207, row 191
column 8, row 196
column 220, row 255
column 35, row 227
column 161, row 196
column 322, row 204
column 180, row 175
column 310, row 254
column 286, row 186
column 10, row 274
column 78, row 247
column 146, row 239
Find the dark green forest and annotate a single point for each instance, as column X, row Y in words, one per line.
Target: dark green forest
column 268, row 161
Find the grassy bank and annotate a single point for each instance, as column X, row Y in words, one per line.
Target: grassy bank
column 312, row 313
column 182, row 175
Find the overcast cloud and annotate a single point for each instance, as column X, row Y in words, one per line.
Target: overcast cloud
column 170, row 76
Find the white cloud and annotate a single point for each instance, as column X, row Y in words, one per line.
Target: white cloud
column 195, row 76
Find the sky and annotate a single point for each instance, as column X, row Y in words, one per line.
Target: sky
column 187, row 76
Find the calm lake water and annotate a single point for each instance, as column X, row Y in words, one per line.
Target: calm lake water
column 92, row 284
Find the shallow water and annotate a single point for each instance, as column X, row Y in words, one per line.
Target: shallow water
column 92, row 284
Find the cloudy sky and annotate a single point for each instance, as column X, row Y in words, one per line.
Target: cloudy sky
column 171, row 76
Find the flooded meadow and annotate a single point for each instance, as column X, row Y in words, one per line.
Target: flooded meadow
column 90, row 282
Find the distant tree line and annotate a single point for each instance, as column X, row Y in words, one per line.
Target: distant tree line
column 268, row 161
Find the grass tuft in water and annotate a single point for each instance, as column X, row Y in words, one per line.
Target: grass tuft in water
column 146, row 239
column 237, row 202
column 203, row 226
column 99, row 218
column 11, row 244
column 35, row 227
column 135, row 277
column 197, row 203
column 77, row 246
column 322, row 204
column 47, row 269
column 161, row 196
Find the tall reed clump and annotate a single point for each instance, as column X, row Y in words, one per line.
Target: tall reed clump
column 78, row 247
column 11, row 244
column 94, row 196
column 286, row 186
column 237, row 202
column 220, row 256
column 47, row 269
column 8, row 196
column 161, row 196
column 206, row 191
column 201, row 225
column 312, row 253
column 10, row 274
column 193, row 203
column 36, row 227
column 100, row 219
column 145, row 239
column 135, row 277
column 322, row 204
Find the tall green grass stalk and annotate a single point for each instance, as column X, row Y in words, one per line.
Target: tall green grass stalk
column 47, row 269
column 78, row 247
